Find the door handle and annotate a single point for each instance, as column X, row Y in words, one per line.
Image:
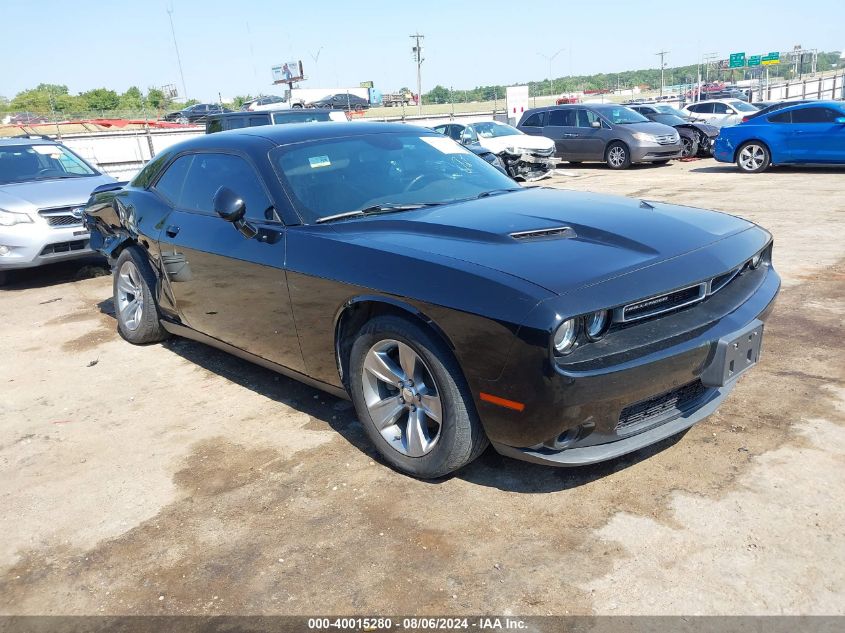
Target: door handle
column 172, row 230
column 570, row 136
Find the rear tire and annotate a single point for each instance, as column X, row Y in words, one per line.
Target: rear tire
column 412, row 400
column 138, row 319
column 753, row 157
column 617, row 156
column 690, row 146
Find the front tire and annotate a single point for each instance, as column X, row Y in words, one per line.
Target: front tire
column 412, row 400
column 753, row 157
column 134, row 304
column 690, row 146
column 617, row 156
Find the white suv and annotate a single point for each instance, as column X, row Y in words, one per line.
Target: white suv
column 719, row 112
column 43, row 189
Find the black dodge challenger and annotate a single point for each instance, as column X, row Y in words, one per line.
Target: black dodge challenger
column 386, row 263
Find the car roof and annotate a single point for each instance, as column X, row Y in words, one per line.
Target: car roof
column 26, row 140
column 814, row 104
column 248, row 137
column 286, row 111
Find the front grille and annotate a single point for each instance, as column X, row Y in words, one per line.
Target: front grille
column 675, row 401
column 663, row 303
column 62, row 217
column 666, row 139
column 543, row 153
column 64, row 247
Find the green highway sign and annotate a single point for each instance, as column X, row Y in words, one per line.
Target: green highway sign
column 754, row 60
column 771, row 59
column 737, row 60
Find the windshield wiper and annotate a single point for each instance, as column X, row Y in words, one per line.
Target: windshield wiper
column 385, row 207
column 496, row 192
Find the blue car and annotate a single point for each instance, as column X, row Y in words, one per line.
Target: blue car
column 801, row 134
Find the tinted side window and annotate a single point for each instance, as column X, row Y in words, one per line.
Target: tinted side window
column 562, row 117
column 440, row 129
column 814, row 115
column 171, row 183
column 720, row 108
column 535, row 120
column 455, row 132
column 255, row 121
column 782, row 117
column 235, row 122
column 214, row 125
column 586, row 118
column 209, row 172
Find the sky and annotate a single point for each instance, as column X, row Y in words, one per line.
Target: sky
column 228, row 47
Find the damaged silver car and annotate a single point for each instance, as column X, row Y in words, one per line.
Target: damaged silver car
column 524, row 157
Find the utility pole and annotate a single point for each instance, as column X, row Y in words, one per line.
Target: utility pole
column 418, row 58
column 662, row 54
column 178, row 57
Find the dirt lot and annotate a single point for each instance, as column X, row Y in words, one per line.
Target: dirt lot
column 175, row 479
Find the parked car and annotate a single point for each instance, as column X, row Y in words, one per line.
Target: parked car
column 196, row 113
column 809, row 133
column 267, row 102
column 772, row 107
column 718, row 112
column 384, row 263
column 43, row 189
column 696, row 138
column 526, row 157
column 479, row 150
column 341, row 101
column 26, row 118
column 608, row 133
column 234, row 120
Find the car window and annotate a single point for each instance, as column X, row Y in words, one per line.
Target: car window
column 586, row 118
column 235, row 122
column 455, row 132
column 209, row 172
column 781, row 117
column 720, row 108
column 441, row 129
column 214, row 125
column 255, row 121
column 23, row 163
column 702, row 108
column 535, row 120
column 171, row 182
column 562, row 117
column 468, row 133
column 304, row 115
column 814, row 115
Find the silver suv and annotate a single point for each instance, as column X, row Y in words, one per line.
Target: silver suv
column 610, row 133
column 43, row 189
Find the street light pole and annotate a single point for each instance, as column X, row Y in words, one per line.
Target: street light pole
column 662, row 54
column 550, row 59
column 417, row 50
column 178, row 57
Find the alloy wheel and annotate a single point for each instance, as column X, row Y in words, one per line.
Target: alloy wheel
column 687, row 143
column 130, row 296
column 752, row 157
column 616, row 156
column 402, row 397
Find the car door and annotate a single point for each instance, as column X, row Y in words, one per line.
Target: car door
column 589, row 142
column 227, row 282
column 562, row 127
column 703, row 112
column 815, row 136
column 721, row 114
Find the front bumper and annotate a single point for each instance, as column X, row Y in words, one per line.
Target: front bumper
column 654, row 152
column 36, row 244
column 640, row 384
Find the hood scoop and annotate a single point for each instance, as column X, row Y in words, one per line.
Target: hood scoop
column 555, row 232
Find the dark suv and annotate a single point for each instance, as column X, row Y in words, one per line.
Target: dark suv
column 234, row 120
column 195, row 113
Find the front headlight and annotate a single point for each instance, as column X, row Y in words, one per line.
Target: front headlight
column 565, row 336
column 642, row 136
column 8, row 218
column 596, row 323
column 755, row 261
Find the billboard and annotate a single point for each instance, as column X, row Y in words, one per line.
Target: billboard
column 517, row 102
column 287, row 72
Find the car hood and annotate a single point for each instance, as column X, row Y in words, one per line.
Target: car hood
column 46, row 194
column 610, row 236
column 710, row 130
column 520, row 141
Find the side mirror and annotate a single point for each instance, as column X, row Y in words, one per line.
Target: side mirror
column 839, row 120
column 595, row 124
column 228, row 205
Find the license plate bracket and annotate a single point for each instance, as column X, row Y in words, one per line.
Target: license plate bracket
column 735, row 354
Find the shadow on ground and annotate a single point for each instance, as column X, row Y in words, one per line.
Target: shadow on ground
column 490, row 469
column 54, row 274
